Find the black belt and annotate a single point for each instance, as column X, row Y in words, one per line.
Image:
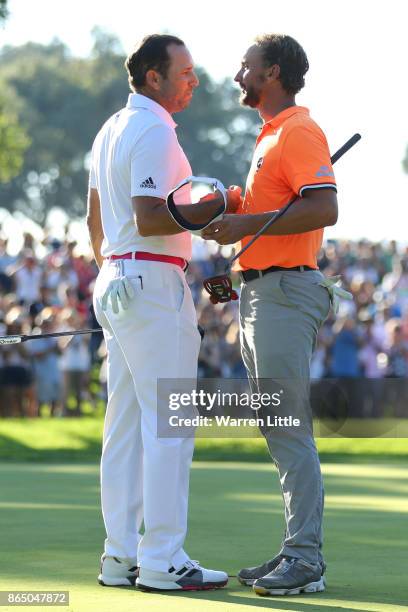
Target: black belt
column 249, row 275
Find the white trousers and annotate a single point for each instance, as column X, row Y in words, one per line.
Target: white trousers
column 145, row 478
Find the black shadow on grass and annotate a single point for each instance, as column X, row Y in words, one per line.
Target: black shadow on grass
column 283, row 603
column 14, row 451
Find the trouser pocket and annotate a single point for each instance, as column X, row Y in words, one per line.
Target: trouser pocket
column 303, row 291
column 167, row 292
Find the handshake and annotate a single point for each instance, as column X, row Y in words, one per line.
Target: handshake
column 194, row 218
column 233, row 198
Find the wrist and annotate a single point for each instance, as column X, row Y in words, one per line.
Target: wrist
column 250, row 223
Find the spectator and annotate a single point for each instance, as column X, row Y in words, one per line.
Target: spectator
column 59, row 274
column 47, row 373
column 6, row 262
column 28, row 279
column 17, row 397
column 373, row 371
column 397, row 368
column 345, row 365
column 74, row 362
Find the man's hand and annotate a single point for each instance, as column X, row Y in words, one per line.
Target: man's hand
column 234, row 198
column 118, row 288
column 228, row 230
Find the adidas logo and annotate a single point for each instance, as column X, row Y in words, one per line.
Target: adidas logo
column 149, row 183
column 324, row 171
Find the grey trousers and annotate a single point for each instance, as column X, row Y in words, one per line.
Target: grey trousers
column 280, row 315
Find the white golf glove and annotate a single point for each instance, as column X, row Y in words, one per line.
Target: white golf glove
column 118, row 289
column 336, row 293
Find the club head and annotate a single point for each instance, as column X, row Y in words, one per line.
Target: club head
column 220, row 289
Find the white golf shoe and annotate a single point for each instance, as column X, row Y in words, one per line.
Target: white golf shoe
column 190, row 577
column 116, row 571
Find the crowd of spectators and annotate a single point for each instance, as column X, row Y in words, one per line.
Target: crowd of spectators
column 52, row 292
column 40, row 295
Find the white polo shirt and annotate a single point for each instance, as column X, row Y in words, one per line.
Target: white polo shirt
column 136, row 153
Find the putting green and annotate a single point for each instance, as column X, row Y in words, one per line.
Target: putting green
column 51, row 535
column 78, row 440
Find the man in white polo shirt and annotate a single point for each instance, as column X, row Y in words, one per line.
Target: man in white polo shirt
column 151, row 333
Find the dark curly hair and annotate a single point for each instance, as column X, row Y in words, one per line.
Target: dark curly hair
column 150, row 54
column 289, row 55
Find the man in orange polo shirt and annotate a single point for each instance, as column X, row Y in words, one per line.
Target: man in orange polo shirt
column 282, row 302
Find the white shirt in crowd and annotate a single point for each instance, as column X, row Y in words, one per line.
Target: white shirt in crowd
column 136, row 153
column 75, row 356
column 57, row 277
column 28, row 282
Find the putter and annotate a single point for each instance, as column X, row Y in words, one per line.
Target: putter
column 219, row 287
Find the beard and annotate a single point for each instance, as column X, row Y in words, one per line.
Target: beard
column 250, row 97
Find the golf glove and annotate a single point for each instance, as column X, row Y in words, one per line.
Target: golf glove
column 336, row 293
column 118, row 289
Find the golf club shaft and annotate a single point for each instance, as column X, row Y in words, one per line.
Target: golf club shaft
column 346, row 147
column 23, row 338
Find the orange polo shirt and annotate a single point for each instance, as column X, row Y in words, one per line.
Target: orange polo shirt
column 291, row 155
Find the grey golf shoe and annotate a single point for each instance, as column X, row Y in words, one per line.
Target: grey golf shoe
column 291, row 577
column 248, row 575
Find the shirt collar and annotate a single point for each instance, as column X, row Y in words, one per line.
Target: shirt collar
column 277, row 121
column 139, row 101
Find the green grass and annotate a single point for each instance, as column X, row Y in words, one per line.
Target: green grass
column 52, row 533
column 79, row 440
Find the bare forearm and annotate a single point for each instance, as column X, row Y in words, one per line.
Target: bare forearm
column 315, row 211
column 94, row 223
column 96, row 238
column 154, row 219
column 158, row 223
column 303, row 216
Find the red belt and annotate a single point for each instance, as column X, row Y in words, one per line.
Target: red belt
column 177, row 261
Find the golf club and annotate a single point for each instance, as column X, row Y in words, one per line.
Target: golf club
column 23, row 338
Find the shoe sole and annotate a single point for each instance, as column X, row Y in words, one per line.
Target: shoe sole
column 246, row 581
column 173, row 586
column 312, row 587
column 112, row 582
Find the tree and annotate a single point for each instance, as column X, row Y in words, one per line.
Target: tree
column 3, row 10
column 13, row 139
column 13, row 143
column 405, row 161
column 62, row 101
column 57, row 106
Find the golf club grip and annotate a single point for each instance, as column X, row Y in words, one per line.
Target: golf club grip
column 335, row 157
column 5, row 340
column 347, row 145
